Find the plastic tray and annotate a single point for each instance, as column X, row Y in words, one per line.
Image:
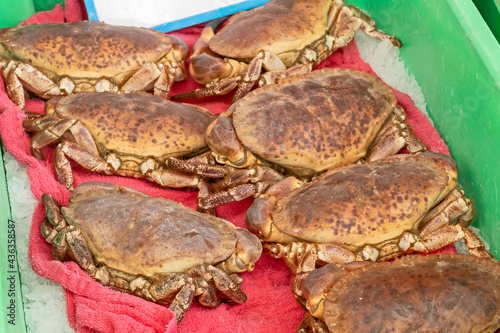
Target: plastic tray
column 455, row 58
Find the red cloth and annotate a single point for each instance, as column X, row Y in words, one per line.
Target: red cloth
column 92, row 307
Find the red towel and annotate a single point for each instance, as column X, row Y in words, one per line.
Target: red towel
column 92, row 307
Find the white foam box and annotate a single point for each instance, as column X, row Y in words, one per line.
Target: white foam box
column 164, row 15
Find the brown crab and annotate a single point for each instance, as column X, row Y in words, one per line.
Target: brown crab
column 285, row 37
column 133, row 135
column 375, row 211
column 61, row 58
column 436, row 293
column 307, row 124
column 153, row 248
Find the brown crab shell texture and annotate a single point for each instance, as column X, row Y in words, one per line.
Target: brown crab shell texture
column 139, row 234
column 278, row 26
column 138, row 124
column 316, row 121
column 437, row 293
column 85, row 49
column 366, row 203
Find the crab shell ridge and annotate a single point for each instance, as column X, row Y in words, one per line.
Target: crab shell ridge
column 137, row 124
column 142, row 235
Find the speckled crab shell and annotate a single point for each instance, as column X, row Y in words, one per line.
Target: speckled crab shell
column 137, row 124
column 436, row 293
column 316, row 121
column 366, row 203
column 153, row 235
column 281, row 27
column 84, row 49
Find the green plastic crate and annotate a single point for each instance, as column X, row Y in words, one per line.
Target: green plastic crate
column 11, row 300
column 455, row 58
column 456, row 61
column 490, row 10
column 12, row 12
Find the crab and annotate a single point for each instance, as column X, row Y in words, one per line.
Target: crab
column 365, row 212
column 150, row 247
column 304, row 125
column 56, row 59
column 446, row 292
column 282, row 37
column 133, row 135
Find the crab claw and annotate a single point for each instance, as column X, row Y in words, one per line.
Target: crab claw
column 248, row 251
column 180, row 52
column 205, row 66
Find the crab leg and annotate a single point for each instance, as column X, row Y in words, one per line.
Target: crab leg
column 344, row 21
column 301, row 257
column 437, row 232
column 200, row 169
column 453, row 206
column 440, row 238
column 47, row 231
column 185, row 173
column 54, row 222
column 222, row 87
column 225, row 74
column 63, row 169
column 168, row 178
column 85, row 153
column 35, row 81
column 369, row 28
column 157, row 76
column 18, row 76
column 81, row 156
column 333, row 12
column 53, row 210
column 180, row 285
column 13, row 86
column 206, row 293
column 36, row 124
column 251, row 76
column 143, row 79
column 49, row 135
column 164, row 82
column 451, row 234
column 254, row 174
column 344, row 28
column 392, row 137
column 474, row 245
column 204, row 191
column 236, row 193
column 53, row 128
column 311, row 324
column 238, row 188
column 70, row 242
column 226, row 285
column 273, row 77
